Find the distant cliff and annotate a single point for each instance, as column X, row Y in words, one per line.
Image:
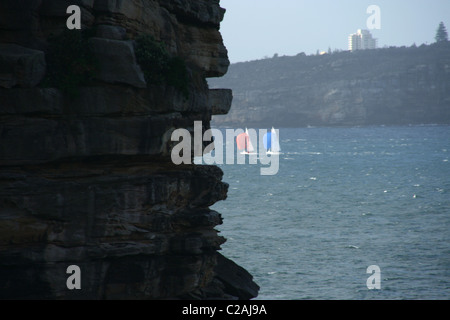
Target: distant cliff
column 391, row 86
column 86, row 177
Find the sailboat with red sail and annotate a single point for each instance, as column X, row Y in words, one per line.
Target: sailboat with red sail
column 244, row 143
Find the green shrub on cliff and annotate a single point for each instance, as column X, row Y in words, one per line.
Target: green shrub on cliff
column 159, row 67
column 70, row 62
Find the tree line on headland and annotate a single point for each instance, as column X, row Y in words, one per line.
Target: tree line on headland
column 386, row 86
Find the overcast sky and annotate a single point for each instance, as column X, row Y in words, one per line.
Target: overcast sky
column 253, row 29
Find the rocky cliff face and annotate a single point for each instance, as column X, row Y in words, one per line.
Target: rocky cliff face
column 392, row 86
column 86, row 179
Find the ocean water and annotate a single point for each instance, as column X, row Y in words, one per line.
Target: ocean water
column 345, row 199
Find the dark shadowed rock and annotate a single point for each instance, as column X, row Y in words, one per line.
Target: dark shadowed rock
column 20, row 66
column 111, row 32
column 230, row 282
column 117, row 62
column 87, row 179
column 237, row 281
column 220, row 100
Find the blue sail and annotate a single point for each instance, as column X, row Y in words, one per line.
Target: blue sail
column 267, row 140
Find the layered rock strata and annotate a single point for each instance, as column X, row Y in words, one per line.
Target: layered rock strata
column 87, row 180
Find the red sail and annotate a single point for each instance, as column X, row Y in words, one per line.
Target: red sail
column 242, row 141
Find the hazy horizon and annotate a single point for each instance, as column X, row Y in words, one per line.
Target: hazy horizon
column 253, row 30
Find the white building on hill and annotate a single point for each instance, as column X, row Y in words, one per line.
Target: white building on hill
column 361, row 40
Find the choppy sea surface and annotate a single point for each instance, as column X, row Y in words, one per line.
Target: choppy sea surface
column 345, row 199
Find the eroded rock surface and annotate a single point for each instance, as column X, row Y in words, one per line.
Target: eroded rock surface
column 87, row 179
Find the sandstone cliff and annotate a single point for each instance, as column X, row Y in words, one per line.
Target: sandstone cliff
column 85, row 172
column 392, row 86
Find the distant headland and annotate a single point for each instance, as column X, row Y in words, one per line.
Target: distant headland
column 386, row 86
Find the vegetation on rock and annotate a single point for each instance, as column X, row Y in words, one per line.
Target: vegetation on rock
column 159, row 67
column 70, row 62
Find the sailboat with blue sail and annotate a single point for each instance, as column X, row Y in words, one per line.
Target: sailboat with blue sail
column 271, row 142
